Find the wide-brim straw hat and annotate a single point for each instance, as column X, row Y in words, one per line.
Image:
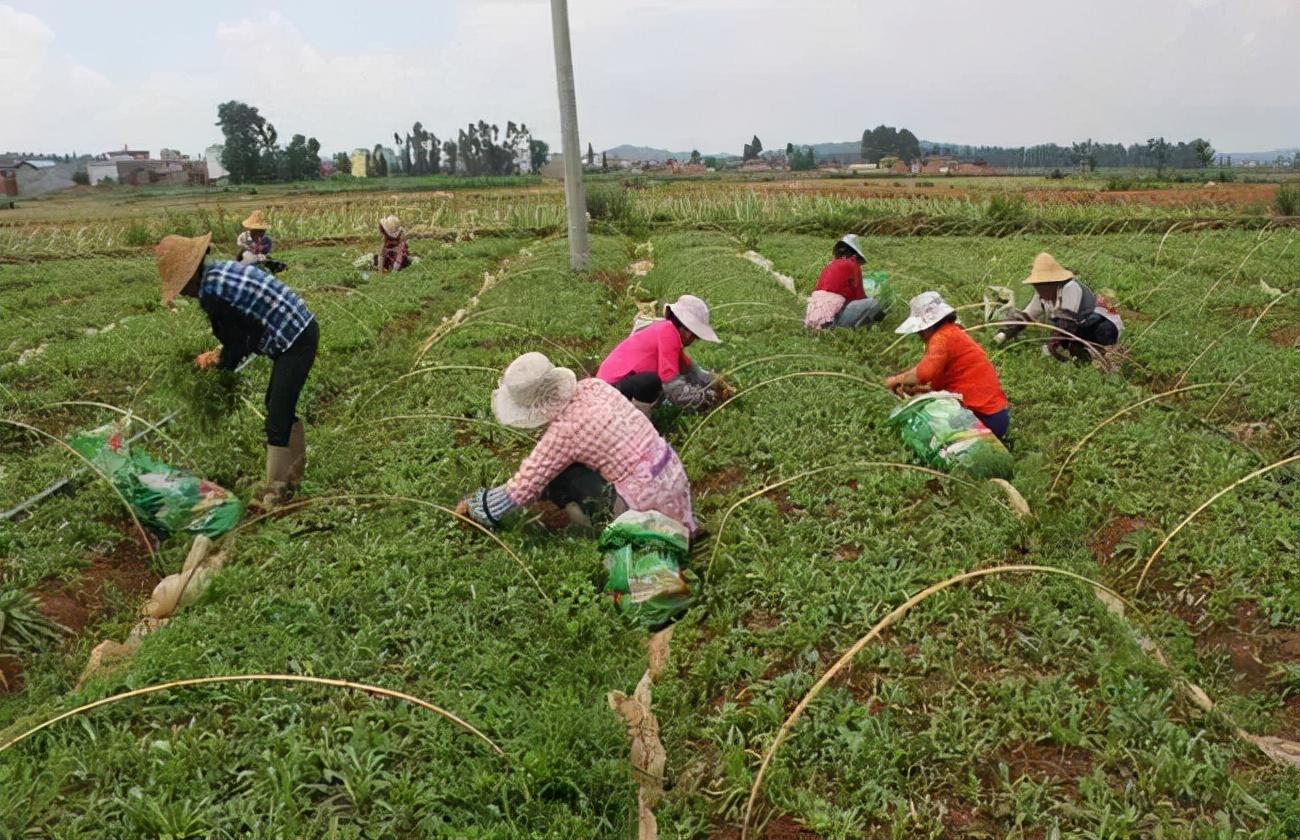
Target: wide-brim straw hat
column 694, row 316
column 1048, row 270
column 256, row 221
column 178, row 258
column 851, row 239
column 927, row 309
column 532, row 392
column 391, row 226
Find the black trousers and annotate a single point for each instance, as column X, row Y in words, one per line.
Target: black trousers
column 288, row 374
column 642, row 387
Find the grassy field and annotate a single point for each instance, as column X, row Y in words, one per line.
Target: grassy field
column 1014, row 706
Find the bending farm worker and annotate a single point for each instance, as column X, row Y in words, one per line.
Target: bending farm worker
column 1060, row 299
column 251, row 312
column 594, row 439
column 394, row 255
column 652, row 361
column 953, row 361
column 839, row 299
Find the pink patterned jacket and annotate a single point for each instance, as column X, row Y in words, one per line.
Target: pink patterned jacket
column 603, row 430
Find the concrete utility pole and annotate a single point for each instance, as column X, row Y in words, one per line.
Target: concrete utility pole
column 575, row 196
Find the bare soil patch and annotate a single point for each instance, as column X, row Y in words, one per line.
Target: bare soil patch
column 1288, row 336
column 718, row 481
column 1109, row 536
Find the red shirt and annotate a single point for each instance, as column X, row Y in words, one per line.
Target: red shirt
column 657, row 347
column 955, row 362
column 843, row 276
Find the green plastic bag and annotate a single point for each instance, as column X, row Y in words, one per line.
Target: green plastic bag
column 876, row 285
column 644, row 552
column 166, row 500
column 944, row 434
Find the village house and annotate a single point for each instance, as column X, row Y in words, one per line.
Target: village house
column 30, row 177
column 135, row 168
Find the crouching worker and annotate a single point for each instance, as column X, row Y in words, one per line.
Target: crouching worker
column 253, row 246
column 1061, row 300
column 597, row 449
column 652, row 361
column 251, row 312
column 839, row 299
column 953, row 361
column 394, row 255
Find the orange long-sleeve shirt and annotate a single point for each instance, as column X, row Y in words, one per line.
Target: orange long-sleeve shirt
column 955, row 362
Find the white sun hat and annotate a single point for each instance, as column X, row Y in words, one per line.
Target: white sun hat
column 392, row 226
column 851, row 239
column 928, row 309
column 532, row 392
column 694, row 315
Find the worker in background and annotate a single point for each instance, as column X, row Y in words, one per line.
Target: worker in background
column 652, row 361
column 598, row 450
column 254, row 245
column 954, row 362
column 394, row 255
column 251, row 312
column 839, row 299
column 1062, row 300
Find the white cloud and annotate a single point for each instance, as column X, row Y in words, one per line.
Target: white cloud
column 701, row 73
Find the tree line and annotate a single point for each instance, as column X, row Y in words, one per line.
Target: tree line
column 1156, row 152
column 478, row 149
column 252, row 152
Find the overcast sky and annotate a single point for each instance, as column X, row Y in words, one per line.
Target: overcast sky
column 680, row 74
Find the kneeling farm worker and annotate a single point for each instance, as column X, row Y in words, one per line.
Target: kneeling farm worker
column 253, row 245
column 251, row 312
column 592, row 432
column 954, row 362
column 840, row 299
column 395, row 255
column 1062, row 300
column 652, row 361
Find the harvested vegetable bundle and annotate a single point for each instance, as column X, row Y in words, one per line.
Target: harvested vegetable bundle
column 644, row 552
column 944, row 434
column 167, row 500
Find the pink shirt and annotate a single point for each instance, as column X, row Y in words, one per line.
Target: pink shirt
column 603, row 430
column 657, row 347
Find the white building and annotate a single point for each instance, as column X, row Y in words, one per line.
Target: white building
column 212, row 154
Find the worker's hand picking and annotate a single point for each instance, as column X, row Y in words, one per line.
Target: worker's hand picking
column 208, row 360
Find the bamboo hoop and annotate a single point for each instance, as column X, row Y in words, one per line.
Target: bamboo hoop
column 1271, row 304
column 1091, row 347
column 283, row 678
column 420, row 372
column 153, row 427
column 351, row 291
column 387, row 497
column 500, row 427
column 1232, row 384
column 885, row 623
column 566, row 351
column 705, row 419
column 1083, row 440
column 728, row 373
column 144, row 536
column 722, row 524
column 1234, row 485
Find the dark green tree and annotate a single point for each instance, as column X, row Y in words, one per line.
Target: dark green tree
column 695, row 156
column 343, row 163
column 450, row 150
column 1159, row 151
column 591, row 155
column 1204, row 152
column 537, row 153
column 249, row 152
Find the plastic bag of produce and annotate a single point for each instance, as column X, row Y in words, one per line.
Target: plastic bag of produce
column 167, row 500
column 944, row 434
column 644, row 552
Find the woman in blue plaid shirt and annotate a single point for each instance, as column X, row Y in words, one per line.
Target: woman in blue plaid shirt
column 251, row 312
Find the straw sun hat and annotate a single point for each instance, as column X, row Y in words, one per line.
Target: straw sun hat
column 391, row 226
column 1048, row 270
column 928, row 309
column 256, row 221
column 532, row 392
column 178, row 258
column 694, row 315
